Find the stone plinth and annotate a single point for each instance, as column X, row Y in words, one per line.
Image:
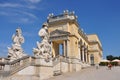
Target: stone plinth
column 43, row 62
column 45, row 72
column 7, row 68
column 44, row 69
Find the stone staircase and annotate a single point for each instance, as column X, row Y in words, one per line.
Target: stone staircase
column 57, row 66
column 18, row 77
column 26, row 68
column 9, row 69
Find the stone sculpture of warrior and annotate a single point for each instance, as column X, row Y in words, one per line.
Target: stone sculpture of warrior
column 43, row 49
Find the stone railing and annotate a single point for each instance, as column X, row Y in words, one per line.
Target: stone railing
column 2, row 65
column 62, row 17
column 56, row 60
column 3, row 61
column 74, row 60
column 59, row 58
column 9, row 68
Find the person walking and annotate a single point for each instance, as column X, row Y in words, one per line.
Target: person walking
column 109, row 66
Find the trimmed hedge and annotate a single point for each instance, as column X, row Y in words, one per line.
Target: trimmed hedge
column 114, row 63
column 106, row 63
column 103, row 63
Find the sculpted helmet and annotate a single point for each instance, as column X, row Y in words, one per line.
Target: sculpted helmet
column 45, row 24
column 18, row 31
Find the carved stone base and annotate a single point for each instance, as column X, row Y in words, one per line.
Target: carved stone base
column 44, row 69
column 43, row 62
column 44, row 72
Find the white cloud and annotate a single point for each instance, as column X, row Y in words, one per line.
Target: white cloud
column 25, row 17
column 21, row 11
column 29, row 14
column 18, row 5
column 34, row 1
column 31, row 7
column 22, row 20
column 11, row 5
column 4, row 13
column 19, row 16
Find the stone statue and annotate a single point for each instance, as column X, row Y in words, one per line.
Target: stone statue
column 43, row 49
column 43, row 33
column 17, row 38
column 16, row 51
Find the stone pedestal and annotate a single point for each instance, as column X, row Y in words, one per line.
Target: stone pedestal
column 44, row 70
column 43, row 62
column 7, row 68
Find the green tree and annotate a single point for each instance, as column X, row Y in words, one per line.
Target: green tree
column 115, row 57
column 109, row 57
column 119, row 57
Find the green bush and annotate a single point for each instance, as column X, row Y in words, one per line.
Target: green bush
column 106, row 63
column 114, row 63
column 103, row 63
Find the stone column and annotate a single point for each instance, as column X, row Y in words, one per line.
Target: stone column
column 67, row 53
column 86, row 54
column 87, row 57
column 53, row 55
column 65, row 48
column 83, row 54
column 79, row 51
column 79, row 55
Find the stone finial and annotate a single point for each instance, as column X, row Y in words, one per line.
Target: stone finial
column 82, row 30
column 66, row 12
column 51, row 15
column 76, row 17
column 72, row 13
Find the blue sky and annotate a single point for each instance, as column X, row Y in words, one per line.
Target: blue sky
column 94, row 16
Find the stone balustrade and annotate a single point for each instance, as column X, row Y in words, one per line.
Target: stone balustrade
column 2, row 65
column 56, row 60
column 16, row 65
column 3, row 61
column 66, row 59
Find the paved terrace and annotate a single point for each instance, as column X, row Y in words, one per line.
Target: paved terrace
column 91, row 74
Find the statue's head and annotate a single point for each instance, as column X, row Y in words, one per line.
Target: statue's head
column 18, row 31
column 45, row 25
